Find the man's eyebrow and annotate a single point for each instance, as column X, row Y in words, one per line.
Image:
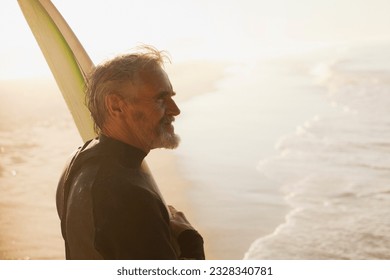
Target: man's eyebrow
column 166, row 93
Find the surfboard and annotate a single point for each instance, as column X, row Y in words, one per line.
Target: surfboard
column 68, row 62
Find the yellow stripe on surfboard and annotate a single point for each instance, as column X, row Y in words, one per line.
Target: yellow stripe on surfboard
column 67, row 59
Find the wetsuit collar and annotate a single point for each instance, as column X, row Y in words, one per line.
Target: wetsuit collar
column 129, row 156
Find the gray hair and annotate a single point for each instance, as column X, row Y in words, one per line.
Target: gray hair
column 109, row 77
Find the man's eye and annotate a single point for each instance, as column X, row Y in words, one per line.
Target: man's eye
column 160, row 100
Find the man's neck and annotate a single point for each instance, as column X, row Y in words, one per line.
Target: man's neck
column 126, row 138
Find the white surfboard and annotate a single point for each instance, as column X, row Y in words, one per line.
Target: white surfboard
column 68, row 62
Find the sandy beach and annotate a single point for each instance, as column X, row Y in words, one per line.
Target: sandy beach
column 37, row 135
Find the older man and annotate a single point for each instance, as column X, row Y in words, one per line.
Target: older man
column 109, row 208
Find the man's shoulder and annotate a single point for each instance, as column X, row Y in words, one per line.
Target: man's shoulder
column 126, row 189
column 93, row 152
column 113, row 177
column 110, row 173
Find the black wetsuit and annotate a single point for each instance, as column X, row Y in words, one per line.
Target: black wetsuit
column 111, row 210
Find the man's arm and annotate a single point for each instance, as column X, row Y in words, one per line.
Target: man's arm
column 131, row 223
column 189, row 240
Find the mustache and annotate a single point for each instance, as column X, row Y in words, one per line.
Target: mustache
column 167, row 120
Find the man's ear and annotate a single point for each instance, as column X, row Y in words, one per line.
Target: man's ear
column 114, row 104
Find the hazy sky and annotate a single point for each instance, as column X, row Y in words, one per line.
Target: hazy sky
column 212, row 29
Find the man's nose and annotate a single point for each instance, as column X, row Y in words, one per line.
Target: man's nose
column 173, row 109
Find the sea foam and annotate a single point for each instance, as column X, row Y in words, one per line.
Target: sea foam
column 334, row 170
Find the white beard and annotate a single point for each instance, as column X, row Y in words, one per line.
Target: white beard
column 166, row 139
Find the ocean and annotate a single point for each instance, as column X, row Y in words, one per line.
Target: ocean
column 286, row 158
column 334, row 169
column 305, row 134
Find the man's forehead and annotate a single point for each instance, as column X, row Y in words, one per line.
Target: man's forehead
column 150, row 83
column 155, row 73
column 155, row 78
